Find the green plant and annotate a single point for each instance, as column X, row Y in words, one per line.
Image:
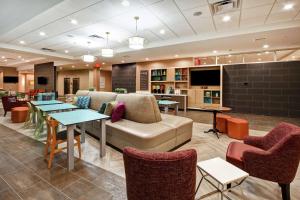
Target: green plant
column 91, row 89
column 121, row 90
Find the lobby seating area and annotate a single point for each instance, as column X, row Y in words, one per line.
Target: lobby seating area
column 150, row 100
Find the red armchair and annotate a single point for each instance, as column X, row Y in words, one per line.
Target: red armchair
column 274, row 157
column 10, row 102
column 160, row 176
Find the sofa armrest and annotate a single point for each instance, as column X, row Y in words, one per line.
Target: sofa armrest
column 254, row 141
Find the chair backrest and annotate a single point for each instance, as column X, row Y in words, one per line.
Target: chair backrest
column 167, row 175
column 277, row 134
column 52, row 125
column 8, row 101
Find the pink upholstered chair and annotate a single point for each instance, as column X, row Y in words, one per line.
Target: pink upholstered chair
column 160, row 176
column 274, row 157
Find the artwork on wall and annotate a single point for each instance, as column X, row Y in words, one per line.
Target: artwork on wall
column 144, row 80
column 102, row 83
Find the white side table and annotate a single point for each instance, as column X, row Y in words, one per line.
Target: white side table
column 223, row 173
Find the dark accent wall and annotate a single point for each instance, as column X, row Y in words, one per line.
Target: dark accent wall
column 45, row 70
column 264, row 88
column 124, row 76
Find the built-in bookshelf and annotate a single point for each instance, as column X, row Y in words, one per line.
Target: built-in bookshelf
column 158, row 74
column 211, row 97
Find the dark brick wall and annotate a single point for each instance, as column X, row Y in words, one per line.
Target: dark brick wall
column 124, row 76
column 264, row 88
column 45, row 70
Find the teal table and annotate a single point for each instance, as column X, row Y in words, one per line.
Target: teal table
column 166, row 104
column 56, row 107
column 40, row 103
column 70, row 119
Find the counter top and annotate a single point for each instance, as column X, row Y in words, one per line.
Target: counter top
column 183, row 95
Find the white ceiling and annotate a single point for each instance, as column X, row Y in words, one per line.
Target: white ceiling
column 183, row 30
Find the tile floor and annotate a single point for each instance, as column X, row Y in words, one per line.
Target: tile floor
column 24, row 175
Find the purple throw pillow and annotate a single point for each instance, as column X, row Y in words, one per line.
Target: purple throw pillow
column 118, row 112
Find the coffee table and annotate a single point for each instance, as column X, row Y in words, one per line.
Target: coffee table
column 166, row 104
column 223, row 173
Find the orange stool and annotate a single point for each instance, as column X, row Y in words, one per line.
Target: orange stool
column 19, row 114
column 237, row 128
column 222, row 123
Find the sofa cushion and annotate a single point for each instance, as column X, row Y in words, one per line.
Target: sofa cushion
column 140, row 108
column 143, row 136
column 82, row 93
column 102, row 108
column 97, row 98
column 110, row 107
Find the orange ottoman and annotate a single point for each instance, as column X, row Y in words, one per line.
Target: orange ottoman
column 19, row 114
column 222, row 123
column 237, row 128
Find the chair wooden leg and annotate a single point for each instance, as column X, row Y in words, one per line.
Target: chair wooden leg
column 285, row 191
column 52, row 151
column 46, row 149
column 79, row 146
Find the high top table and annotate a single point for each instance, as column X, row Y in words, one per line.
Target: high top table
column 50, row 102
column 215, row 111
column 70, row 119
column 56, row 107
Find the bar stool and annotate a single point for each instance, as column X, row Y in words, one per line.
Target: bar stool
column 54, row 138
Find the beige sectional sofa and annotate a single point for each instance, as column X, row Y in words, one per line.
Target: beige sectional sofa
column 143, row 127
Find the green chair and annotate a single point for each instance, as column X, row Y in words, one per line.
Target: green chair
column 39, row 123
column 29, row 119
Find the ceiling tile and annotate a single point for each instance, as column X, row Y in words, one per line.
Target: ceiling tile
column 255, row 3
column 189, row 4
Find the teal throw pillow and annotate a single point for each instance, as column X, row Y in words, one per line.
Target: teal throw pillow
column 83, row 102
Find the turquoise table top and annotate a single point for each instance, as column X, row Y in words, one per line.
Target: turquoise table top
column 39, row 103
column 77, row 116
column 166, row 102
column 57, row 107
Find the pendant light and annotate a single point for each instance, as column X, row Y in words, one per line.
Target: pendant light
column 107, row 52
column 88, row 57
column 136, row 42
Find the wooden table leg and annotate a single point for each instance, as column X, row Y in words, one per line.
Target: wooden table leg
column 70, row 149
column 103, row 138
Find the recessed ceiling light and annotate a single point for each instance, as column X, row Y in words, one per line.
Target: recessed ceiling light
column 125, row 3
column 22, row 42
column 176, row 55
column 204, row 63
column 73, row 66
column 60, row 68
column 288, row 6
column 162, row 31
column 146, row 58
column 122, row 61
column 26, row 60
column 215, row 51
column 259, row 59
column 226, row 18
column 267, row 52
column 66, row 51
column 230, row 61
column 293, row 57
column 42, row 33
column 74, row 21
column 86, row 65
column 23, row 59
column 265, row 46
column 259, row 54
column 5, row 60
column 19, row 56
column 229, row 55
column 3, row 57
column 103, row 63
column 198, row 13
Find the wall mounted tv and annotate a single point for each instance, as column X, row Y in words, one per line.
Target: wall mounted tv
column 205, row 77
column 42, row 80
column 10, row 79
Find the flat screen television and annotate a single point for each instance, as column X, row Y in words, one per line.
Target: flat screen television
column 10, row 79
column 42, row 80
column 205, row 77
